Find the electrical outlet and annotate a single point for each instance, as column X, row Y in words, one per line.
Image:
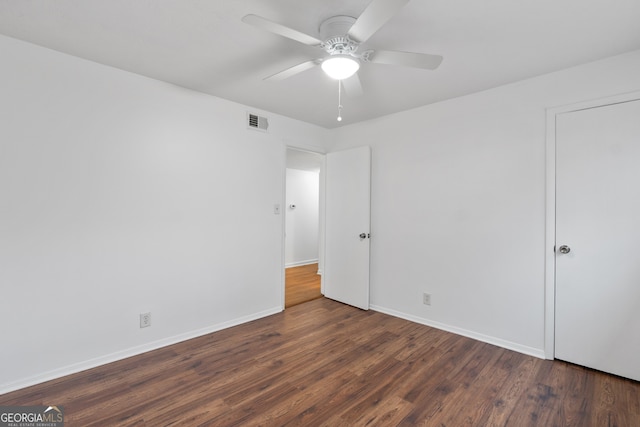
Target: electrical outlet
column 145, row 320
column 426, row 298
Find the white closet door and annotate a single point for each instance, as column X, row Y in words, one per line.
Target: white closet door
column 598, row 238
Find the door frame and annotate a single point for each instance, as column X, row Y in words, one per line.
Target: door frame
column 550, row 211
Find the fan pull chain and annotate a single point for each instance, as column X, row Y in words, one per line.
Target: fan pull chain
column 339, row 101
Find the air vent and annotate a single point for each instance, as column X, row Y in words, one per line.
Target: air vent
column 257, row 123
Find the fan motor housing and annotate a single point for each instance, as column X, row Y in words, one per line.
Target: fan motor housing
column 334, row 33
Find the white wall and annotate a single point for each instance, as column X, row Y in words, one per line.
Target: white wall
column 301, row 242
column 458, row 203
column 121, row 195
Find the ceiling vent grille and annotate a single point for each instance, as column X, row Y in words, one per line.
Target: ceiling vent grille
column 257, row 122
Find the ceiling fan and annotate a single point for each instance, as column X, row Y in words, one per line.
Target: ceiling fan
column 341, row 37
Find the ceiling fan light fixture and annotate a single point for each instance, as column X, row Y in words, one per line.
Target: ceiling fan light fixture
column 340, row 67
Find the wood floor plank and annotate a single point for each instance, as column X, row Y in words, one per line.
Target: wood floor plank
column 302, row 284
column 484, row 384
column 514, row 387
column 325, row 363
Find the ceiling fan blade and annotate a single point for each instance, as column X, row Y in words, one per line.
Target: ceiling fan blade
column 374, row 16
column 352, row 86
column 281, row 30
column 293, row 70
column 406, row 59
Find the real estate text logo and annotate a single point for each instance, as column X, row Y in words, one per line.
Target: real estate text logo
column 31, row 416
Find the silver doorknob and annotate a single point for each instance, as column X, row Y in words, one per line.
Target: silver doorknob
column 564, row 249
column 363, row 235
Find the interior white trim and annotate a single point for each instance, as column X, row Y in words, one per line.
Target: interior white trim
column 283, row 227
column 550, row 215
column 535, row 352
column 133, row 351
column 301, row 263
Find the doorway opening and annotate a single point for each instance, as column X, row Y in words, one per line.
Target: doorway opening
column 303, row 226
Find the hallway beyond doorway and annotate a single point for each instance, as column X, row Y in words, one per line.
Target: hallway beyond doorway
column 302, row 284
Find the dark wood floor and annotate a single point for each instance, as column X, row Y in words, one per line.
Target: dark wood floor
column 302, row 284
column 324, row 363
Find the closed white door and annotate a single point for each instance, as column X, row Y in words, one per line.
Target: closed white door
column 598, row 238
column 346, row 266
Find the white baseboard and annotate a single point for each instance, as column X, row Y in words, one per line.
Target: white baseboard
column 113, row 357
column 531, row 351
column 133, row 351
column 301, row 263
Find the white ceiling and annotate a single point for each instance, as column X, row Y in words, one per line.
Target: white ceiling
column 203, row 45
column 304, row 160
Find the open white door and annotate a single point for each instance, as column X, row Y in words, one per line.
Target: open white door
column 348, row 198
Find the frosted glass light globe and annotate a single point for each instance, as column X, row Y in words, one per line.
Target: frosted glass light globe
column 340, row 67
